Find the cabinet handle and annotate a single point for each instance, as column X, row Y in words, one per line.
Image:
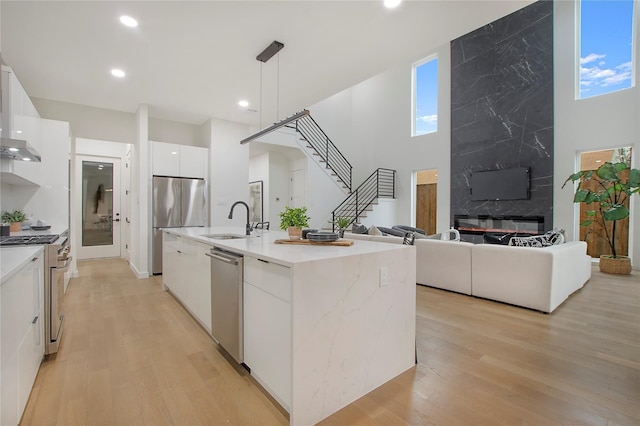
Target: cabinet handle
column 261, row 260
column 179, row 251
column 35, row 320
column 34, row 259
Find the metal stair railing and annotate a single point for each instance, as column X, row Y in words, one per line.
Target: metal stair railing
column 380, row 184
column 329, row 154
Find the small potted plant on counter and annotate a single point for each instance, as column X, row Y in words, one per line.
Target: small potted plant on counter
column 342, row 223
column 293, row 220
column 607, row 200
column 15, row 219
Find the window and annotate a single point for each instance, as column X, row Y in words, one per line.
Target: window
column 425, row 97
column 606, row 46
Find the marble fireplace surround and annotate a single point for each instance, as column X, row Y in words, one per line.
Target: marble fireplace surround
column 502, row 113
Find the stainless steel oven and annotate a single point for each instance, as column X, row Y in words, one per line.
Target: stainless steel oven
column 56, row 263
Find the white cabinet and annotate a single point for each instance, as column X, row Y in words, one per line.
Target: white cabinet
column 267, row 326
column 24, row 123
column 171, row 251
column 199, row 282
column 193, row 161
column 22, row 346
column 186, row 272
column 179, row 160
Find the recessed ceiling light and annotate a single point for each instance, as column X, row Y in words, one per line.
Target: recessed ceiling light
column 13, row 149
column 243, row 103
column 26, row 159
column 117, row 73
column 174, row 152
column 391, row 3
column 128, row 21
column 18, row 131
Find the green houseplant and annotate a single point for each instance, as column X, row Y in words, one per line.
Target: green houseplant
column 15, row 218
column 292, row 220
column 342, row 223
column 607, row 205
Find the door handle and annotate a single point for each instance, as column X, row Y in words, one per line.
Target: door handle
column 116, row 220
column 35, row 320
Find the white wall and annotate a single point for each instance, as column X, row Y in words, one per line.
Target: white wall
column 229, row 171
column 90, row 122
column 140, row 261
column 279, row 182
column 259, row 170
column 173, row 132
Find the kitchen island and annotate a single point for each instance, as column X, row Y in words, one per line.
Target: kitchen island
column 323, row 325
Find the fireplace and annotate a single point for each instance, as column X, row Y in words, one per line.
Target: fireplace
column 494, row 229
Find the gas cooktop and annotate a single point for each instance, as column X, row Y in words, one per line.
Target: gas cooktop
column 28, row 239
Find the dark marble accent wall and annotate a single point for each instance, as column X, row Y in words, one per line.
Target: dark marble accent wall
column 502, row 110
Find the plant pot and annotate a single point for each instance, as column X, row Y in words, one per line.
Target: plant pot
column 620, row 265
column 15, row 227
column 295, row 233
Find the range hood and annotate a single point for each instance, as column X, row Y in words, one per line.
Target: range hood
column 14, row 149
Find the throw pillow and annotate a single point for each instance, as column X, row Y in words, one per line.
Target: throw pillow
column 359, row 229
column 374, row 231
column 534, row 241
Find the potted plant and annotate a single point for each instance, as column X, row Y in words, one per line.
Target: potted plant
column 292, row 220
column 342, row 223
column 607, row 203
column 14, row 218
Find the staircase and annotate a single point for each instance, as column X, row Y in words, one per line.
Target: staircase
column 313, row 138
column 380, row 184
column 316, row 143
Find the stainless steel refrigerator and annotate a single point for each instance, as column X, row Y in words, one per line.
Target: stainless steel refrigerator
column 177, row 202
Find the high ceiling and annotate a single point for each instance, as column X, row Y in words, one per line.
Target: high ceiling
column 190, row 61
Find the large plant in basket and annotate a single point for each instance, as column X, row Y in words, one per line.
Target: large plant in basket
column 606, row 201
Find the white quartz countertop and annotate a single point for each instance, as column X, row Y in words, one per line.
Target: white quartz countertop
column 261, row 245
column 54, row 230
column 14, row 258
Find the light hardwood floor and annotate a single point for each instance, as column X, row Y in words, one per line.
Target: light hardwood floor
column 132, row 356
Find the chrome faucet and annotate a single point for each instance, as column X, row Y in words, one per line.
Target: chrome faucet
column 248, row 227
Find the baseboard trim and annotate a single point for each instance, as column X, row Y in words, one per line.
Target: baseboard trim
column 138, row 274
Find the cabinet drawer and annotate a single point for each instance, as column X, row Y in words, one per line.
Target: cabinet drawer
column 273, row 278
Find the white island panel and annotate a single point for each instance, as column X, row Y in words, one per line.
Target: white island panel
column 350, row 334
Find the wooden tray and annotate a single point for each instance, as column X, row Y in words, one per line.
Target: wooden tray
column 339, row 242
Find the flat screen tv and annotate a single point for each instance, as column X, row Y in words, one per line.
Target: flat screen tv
column 504, row 184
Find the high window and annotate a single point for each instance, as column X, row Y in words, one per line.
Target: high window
column 606, row 46
column 425, row 97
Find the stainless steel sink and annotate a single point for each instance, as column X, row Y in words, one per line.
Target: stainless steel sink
column 225, row 236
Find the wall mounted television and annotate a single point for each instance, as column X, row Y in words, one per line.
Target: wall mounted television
column 503, row 184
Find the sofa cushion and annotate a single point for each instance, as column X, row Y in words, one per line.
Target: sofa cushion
column 390, row 231
column 409, row 229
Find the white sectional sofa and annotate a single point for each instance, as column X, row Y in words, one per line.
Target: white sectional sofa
column 532, row 277
column 440, row 264
column 536, row 278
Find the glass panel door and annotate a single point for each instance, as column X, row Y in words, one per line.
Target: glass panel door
column 99, row 207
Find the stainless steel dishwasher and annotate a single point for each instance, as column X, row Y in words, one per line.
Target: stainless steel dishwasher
column 226, row 301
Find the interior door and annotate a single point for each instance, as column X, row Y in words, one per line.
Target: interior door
column 100, row 224
column 298, row 185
